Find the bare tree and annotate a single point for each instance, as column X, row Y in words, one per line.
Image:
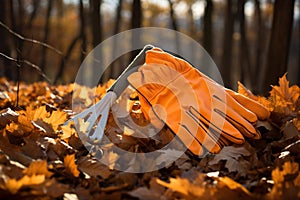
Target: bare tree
column 259, row 43
column 174, row 24
column 207, row 29
column 136, row 22
column 277, row 58
column 227, row 44
column 117, row 63
column 46, row 34
column 4, row 45
column 96, row 21
column 81, row 36
column 35, row 6
column 245, row 65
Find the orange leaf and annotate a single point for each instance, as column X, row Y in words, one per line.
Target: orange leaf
column 14, row 185
column 38, row 167
column 71, row 167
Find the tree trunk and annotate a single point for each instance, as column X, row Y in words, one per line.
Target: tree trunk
column 81, row 36
column 82, row 30
column 117, row 64
column 246, row 70
column 46, row 34
column 4, row 45
column 227, row 45
column 95, row 9
column 35, row 5
column 207, row 29
column 96, row 21
column 279, row 43
column 136, row 22
column 174, row 24
column 259, row 44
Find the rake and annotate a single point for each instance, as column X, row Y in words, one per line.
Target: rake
column 101, row 109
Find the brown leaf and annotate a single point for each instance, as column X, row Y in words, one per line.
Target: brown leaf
column 7, row 115
column 70, row 165
column 94, row 168
column 233, row 156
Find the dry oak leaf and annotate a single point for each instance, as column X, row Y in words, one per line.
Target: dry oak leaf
column 14, row 185
column 38, row 167
column 70, row 165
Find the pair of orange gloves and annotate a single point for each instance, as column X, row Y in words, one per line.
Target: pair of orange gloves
column 202, row 113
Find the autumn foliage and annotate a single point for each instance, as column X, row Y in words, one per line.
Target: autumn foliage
column 44, row 159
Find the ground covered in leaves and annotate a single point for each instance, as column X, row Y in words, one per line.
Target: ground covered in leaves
column 40, row 158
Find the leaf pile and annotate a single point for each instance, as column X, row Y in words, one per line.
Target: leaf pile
column 43, row 159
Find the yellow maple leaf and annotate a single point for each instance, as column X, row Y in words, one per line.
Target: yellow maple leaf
column 290, row 94
column 14, row 185
column 68, row 131
column 38, row 167
column 55, row 118
column 70, row 165
column 283, row 97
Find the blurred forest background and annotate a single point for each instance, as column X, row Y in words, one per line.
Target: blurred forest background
column 254, row 41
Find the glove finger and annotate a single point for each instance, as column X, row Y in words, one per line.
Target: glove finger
column 240, row 109
column 189, row 141
column 201, row 134
column 261, row 111
column 246, row 128
column 221, row 126
column 235, row 118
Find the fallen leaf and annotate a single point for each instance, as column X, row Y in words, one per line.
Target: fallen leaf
column 233, row 156
column 183, row 186
column 233, row 185
column 94, row 167
column 7, row 115
column 70, row 165
column 38, row 167
column 109, row 159
column 14, row 185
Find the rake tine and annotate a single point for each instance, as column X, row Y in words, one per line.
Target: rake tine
column 99, row 131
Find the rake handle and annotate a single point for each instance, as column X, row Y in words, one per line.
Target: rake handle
column 121, row 83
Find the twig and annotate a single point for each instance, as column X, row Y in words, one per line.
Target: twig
column 37, row 68
column 31, row 40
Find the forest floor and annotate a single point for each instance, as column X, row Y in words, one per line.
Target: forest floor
column 40, row 158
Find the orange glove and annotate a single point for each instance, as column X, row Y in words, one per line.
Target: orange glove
column 201, row 112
